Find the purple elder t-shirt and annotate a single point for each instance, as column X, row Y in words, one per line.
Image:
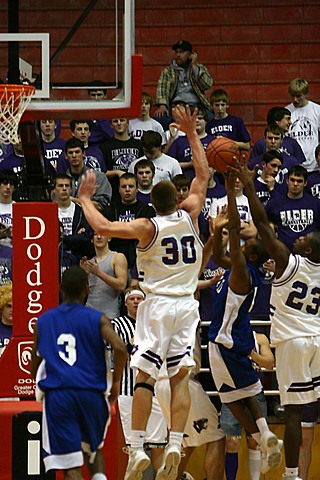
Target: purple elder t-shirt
column 101, row 130
column 230, row 127
column 288, row 162
column 94, row 158
column 263, row 192
column 289, row 146
column 218, row 191
column 181, row 151
column 294, row 217
column 54, row 154
column 313, row 185
column 12, row 162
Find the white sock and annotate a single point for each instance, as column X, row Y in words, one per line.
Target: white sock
column 254, row 460
column 137, row 438
column 291, row 472
column 99, row 476
column 176, row 438
column 262, row 424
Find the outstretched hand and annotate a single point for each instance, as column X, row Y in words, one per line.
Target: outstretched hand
column 230, row 178
column 88, row 185
column 245, row 175
column 222, row 219
column 187, row 121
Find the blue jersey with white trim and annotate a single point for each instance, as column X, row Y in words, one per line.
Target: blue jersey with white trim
column 231, row 322
column 73, row 350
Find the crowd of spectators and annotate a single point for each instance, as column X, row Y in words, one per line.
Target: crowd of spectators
column 131, row 156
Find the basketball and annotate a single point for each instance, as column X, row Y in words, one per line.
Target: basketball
column 221, row 152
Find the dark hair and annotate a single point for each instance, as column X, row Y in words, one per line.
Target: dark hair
column 178, row 102
column 128, row 176
column 151, row 139
column 74, row 123
column 97, row 85
column 73, row 143
column 269, row 156
column 219, row 95
column 273, row 128
column 317, row 151
column 144, row 163
column 259, row 249
column 276, row 114
column 164, row 196
column 201, row 111
column 298, row 170
column 8, row 176
column 74, row 281
column 181, row 180
column 62, row 176
column 148, row 99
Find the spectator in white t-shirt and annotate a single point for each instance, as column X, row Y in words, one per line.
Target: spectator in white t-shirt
column 137, row 126
column 166, row 167
column 305, row 118
column 247, row 227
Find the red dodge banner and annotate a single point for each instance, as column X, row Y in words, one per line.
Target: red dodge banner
column 35, row 289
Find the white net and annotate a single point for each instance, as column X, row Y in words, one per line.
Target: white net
column 14, row 99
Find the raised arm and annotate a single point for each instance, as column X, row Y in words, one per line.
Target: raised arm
column 141, row 228
column 276, row 249
column 194, row 202
column 218, row 247
column 239, row 280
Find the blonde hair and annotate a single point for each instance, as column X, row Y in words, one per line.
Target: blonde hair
column 298, row 86
column 5, row 295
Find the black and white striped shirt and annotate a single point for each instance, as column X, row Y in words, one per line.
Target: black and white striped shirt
column 124, row 326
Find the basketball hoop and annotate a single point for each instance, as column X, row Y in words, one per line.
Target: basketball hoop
column 14, row 99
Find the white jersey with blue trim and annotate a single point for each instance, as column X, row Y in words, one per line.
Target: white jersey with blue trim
column 295, row 301
column 170, row 264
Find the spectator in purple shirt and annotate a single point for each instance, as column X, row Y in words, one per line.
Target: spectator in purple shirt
column 313, row 185
column 101, row 129
column 273, row 136
column 296, row 213
column 15, row 160
column 81, row 129
column 53, row 146
column 180, row 148
column 289, row 146
column 225, row 125
column 266, row 184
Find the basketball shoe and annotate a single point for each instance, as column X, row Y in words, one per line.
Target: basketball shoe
column 137, row 464
column 170, row 463
column 270, row 451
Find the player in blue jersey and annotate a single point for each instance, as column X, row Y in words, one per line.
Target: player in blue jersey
column 231, row 338
column 168, row 258
column 69, row 364
column 295, row 325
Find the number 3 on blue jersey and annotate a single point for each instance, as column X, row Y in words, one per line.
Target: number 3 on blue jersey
column 174, row 254
column 68, row 341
